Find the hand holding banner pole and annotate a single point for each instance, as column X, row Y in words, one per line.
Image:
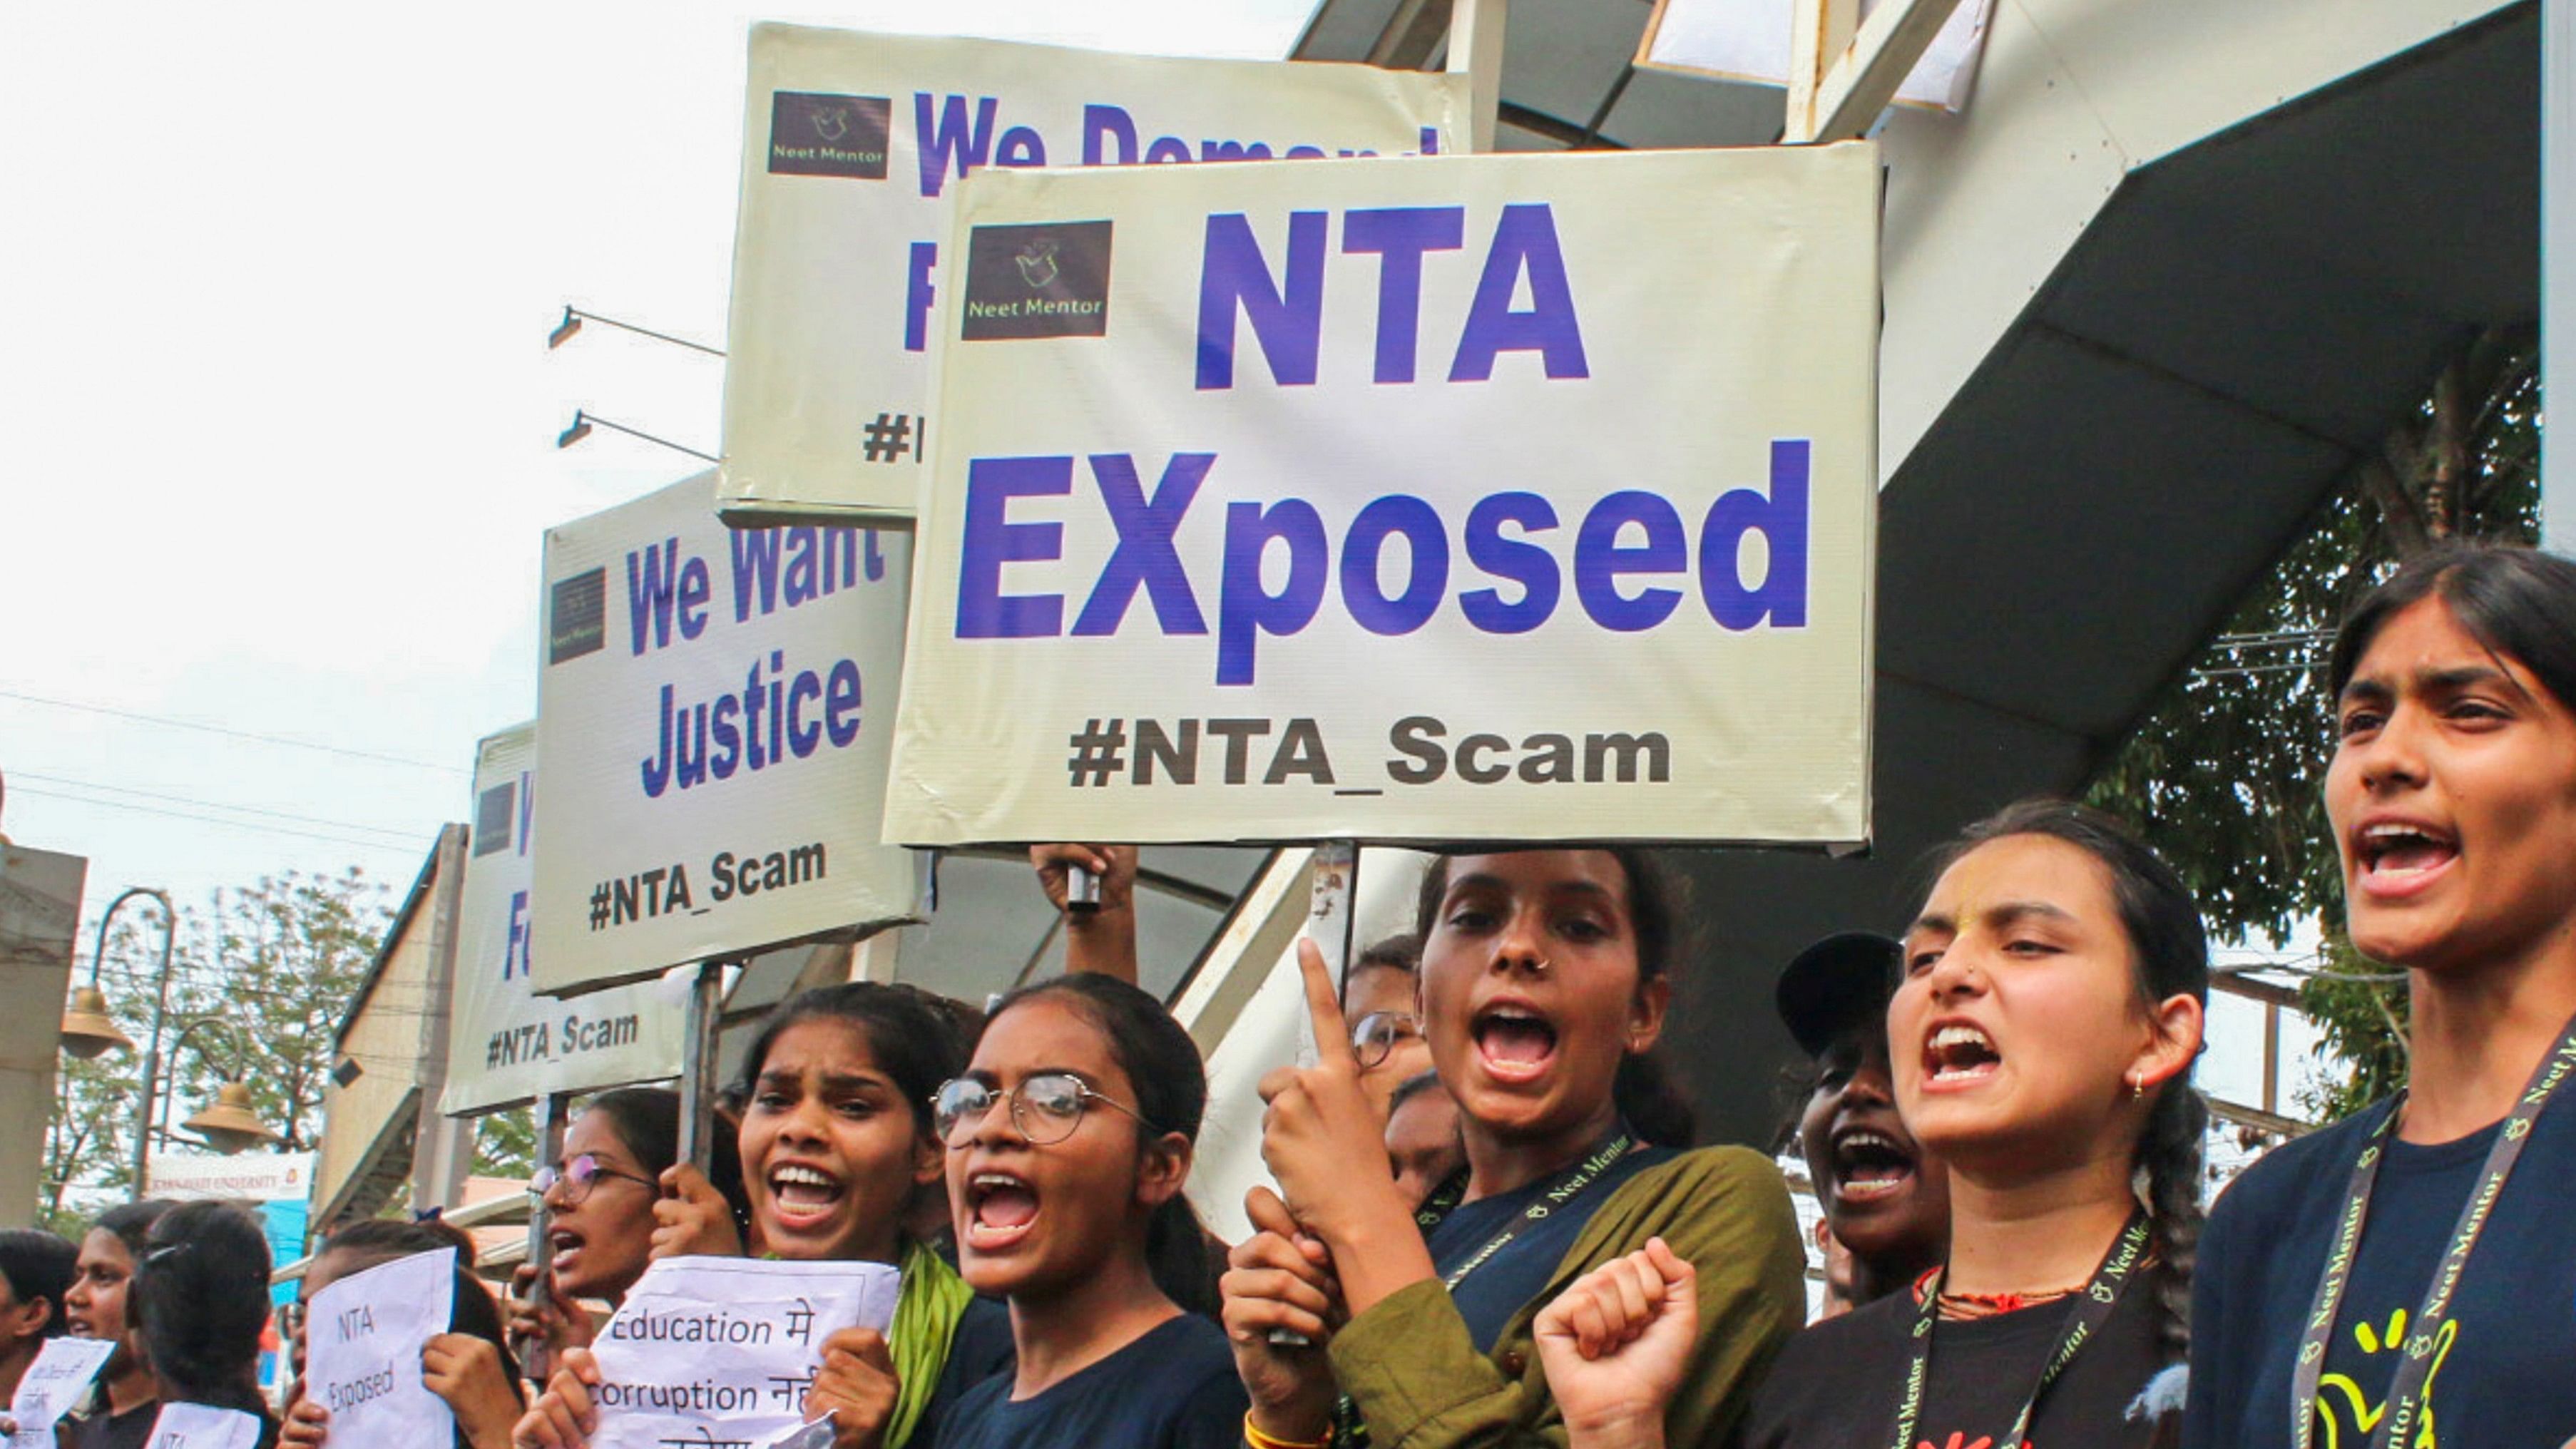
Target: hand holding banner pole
column 698, row 1067
column 536, row 1355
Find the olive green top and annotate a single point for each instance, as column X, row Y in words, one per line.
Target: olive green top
column 1419, row 1383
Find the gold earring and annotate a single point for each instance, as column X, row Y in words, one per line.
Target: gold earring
column 2137, row 1086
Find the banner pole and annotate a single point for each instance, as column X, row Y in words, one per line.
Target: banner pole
column 535, row 1360
column 698, row 1067
column 1328, row 913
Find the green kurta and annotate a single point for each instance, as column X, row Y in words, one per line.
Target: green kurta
column 1419, row 1383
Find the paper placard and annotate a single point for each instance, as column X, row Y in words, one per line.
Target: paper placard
column 199, row 1426
column 1489, row 498
column 363, row 1337
column 715, row 709
column 53, row 1383
column 720, row 1351
column 852, row 144
column 506, row 1044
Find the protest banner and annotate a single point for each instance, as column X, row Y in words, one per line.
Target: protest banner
column 363, row 1337
column 202, row 1426
column 713, row 723
column 1499, row 497
column 505, row 1044
column 721, row 1350
column 1749, row 40
column 852, row 144
column 52, row 1384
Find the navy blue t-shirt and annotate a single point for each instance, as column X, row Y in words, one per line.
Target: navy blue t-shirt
column 1518, row 1272
column 2504, row 1373
column 1173, row 1388
column 980, row 1348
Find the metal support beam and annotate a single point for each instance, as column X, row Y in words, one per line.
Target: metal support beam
column 1476, row 51
column 1852, row 91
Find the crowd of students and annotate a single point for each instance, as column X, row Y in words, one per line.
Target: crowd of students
column 2003, row 1135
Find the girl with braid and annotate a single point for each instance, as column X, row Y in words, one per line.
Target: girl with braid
column 2042, row 1041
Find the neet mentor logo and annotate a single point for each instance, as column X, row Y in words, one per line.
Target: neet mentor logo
column 1037, row 281
column 578, row 622
column 820, row 135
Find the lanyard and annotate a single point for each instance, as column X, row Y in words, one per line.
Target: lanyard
column 2092, row 1307
column 2405, row 1401
column 1349, row 1431
column 1565, row 1188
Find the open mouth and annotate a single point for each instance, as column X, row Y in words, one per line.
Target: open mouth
column 803, row 1197
column 1001, row 1207
column 1869, row 1165
column 2395, row 855
column 1517, row 1043
column 1959, row 1054
column 566, row 1245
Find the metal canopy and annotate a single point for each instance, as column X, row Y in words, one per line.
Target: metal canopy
column 2243, row 319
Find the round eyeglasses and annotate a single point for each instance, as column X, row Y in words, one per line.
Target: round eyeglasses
column 1045, row 1107
column 577, row 1176
column 1374, row 1036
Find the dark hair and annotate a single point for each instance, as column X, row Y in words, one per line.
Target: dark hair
column 1410, row 1088
column 1170, row 1080
column 2163, row 925
column 200, row 1296
column 39, row 1265
column 913, row 1038
column 1399, row 952
column 647, row 1120
column 1648, row 1099
column 376, row 1241
column 2516, row 601
column 132, row 1222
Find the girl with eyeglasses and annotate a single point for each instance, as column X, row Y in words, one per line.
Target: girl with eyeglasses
column 1544, row 985
column 837, row 1150
column 1386, row 1033
column 469, row 1366
column 1069, row 1141
column 599, row 1202
column 2407, row 1270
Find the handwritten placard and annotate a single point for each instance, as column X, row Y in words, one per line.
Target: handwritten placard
column 717, row 1353
column 363, row 1339
column 201, row 1426
column 53, row 1383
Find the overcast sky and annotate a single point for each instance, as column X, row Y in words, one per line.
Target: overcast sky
column 275, row 285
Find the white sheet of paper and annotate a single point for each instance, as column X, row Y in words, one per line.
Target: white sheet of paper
column 198, row 1426
column 717, row 1352
column 362, row 1341
column 52, row 1385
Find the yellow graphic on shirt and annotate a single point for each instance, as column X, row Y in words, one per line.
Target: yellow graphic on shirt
column 2350, row 1418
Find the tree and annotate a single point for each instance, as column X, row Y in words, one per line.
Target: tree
column 277, row 964
column 2227, row 773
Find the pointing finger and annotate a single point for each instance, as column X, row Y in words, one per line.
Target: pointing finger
column 1332, row 1034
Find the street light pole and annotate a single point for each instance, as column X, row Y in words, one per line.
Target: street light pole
column 160, row 1013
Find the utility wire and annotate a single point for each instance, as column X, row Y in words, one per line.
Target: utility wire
column 406, row 837
column 252, row 826
column 185, row 724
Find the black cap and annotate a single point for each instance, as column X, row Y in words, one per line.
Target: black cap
column 1837, row 983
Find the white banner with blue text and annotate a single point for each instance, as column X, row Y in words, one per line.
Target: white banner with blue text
column 714, row 714
column 852, row 148
column 506, row 1045
column 1488, row 498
